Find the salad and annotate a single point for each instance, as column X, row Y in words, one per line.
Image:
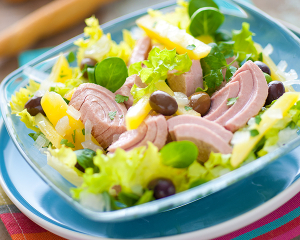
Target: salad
column 174, row 105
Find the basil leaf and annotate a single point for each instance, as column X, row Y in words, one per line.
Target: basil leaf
column 231, row 101
column 194, row 5
column 206, row 21
column 222, row 36
column 120, row 98
column 71, row 57
column 253, row 132
column 66, row 100
column 179, row 154
column 91, row 74
column 85, row 159
column 111, row 73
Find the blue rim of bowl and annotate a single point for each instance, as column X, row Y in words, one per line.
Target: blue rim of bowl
column 182, row 198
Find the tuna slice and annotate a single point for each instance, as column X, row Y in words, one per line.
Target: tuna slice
column 141, row 50
column 206, row 140
column 253, row 91
column 219, row 101
column 98, row 105
column 154, row 130
column 188, row 119
column 126, row 88
column 188, row 82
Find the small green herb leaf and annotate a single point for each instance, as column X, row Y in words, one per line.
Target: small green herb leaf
column 85, row 159
column 83, row 132
column 205, row 21
column 66, row 100
column 187, row 108
column 154, row 24
column 71, row 57
column 112, row 115
column 120, row 98
column 68, row 144
column 191, row 47
column 179, row 154
column 260, row 57
column 111, row 73
column 199, row 89
column 34, row 136
column 257, row 119
column 74, row 135
column 231, row 101
column 253, row 132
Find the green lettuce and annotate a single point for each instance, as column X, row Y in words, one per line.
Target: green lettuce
column 157, row 66
column 64, row 160
column 243, row 44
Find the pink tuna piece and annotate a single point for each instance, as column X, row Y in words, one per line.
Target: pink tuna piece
column 141, row 50
column 188, row 82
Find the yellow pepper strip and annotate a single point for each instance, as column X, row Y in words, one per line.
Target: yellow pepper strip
column 173, row 37
column 161, row 85
column 48, row 130
column 137, row 113
column 242, row 150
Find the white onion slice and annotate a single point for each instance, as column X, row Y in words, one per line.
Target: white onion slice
column 62, row 126
column 181, row 99
column 274, row 113
column 40, row 142
column 291, row 82
column 268, row 50
column 88, row 130
column 282, row 65
column 291, row 75
column 239, row 137
column 73, row 112
column 34, row 74
column 90, row 145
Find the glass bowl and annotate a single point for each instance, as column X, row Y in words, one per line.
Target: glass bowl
column 286, row 47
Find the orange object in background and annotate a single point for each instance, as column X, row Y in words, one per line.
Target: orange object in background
column 50, row 19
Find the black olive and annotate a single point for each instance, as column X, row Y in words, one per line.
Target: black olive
column 263, row 67
column 275, row 91
column 87, row 62
column 200, row 102
column 34, row 106
column 163, row 103
column 162, row 188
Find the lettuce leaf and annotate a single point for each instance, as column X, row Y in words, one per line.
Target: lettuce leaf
column 63, row 160
column 157, row 66
column 243, row 44
column 20, row 98
column 100, row 46
column 29, row 120
column 131, row 170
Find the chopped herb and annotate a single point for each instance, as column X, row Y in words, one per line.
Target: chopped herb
column 52, row 89
column 120, row 98
column 260, row 57
column 71, row 57
column 254, row 132
column 121, row 116
column 83, row 132
column 231, row 101
column 154, row 24
column 62, row 76
column 66, row 100
column 187, row 108
column 257, row 119
column 34, row 136
column 112, row 115
column 73, row 135
column 68, row 144
column 191, row 47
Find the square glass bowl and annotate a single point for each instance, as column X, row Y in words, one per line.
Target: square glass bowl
column 286, row 47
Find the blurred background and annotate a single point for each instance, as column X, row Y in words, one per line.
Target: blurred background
column 14, row 11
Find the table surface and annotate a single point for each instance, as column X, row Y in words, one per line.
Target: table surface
column 286, row 10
